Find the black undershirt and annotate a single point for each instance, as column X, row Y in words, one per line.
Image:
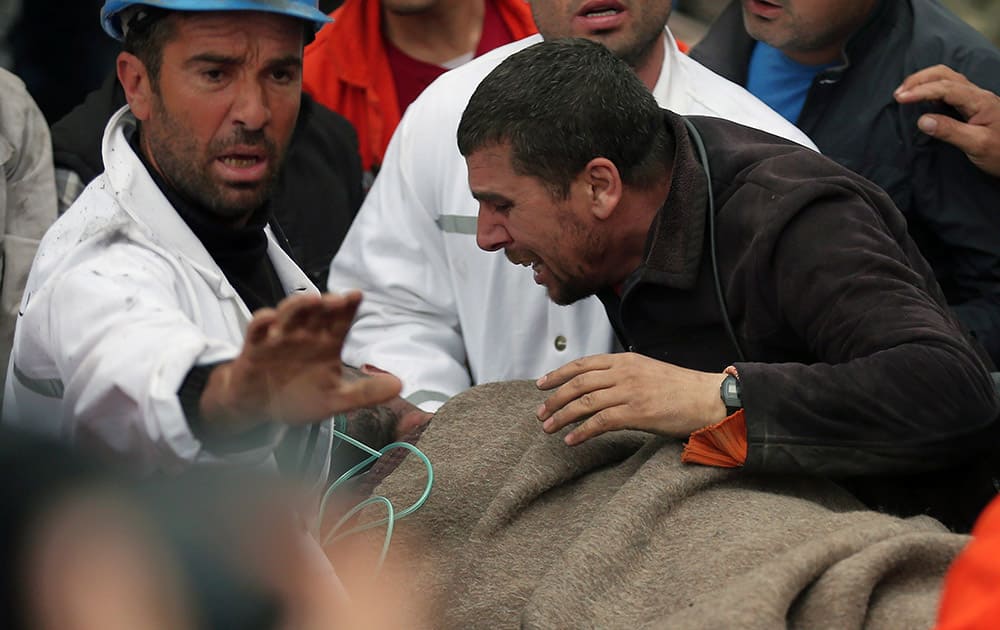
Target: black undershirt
column 241, row 254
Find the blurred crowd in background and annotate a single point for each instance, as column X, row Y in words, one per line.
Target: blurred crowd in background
column 58, row 49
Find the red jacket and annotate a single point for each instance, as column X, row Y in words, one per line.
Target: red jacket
column 971, row 597
column 346, row 69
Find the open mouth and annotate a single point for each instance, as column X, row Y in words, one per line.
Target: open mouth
column 601, row 14
column 538, row 268
column 763, row 8
column 524, row 259
column 244, row 164
column 239, row 161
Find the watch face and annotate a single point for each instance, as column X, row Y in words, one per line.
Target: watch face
column 731, row 393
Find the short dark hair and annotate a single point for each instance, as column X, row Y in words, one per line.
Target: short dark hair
column 146, row 34
column 562, row 103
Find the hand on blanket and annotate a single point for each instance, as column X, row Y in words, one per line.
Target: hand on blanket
column 609, row 392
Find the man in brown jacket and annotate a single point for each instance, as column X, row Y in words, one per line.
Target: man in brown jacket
column 776, row 312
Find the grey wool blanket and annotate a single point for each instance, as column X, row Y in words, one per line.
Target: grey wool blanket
column 522, row 531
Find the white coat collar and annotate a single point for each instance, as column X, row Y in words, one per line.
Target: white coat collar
column 140, row 197
column 671, row 91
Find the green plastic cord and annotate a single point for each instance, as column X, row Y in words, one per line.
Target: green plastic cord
column 392, row 517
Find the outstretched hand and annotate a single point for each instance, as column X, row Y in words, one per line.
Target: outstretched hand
column 290, row 370
column 978, row 136
column 609, row 392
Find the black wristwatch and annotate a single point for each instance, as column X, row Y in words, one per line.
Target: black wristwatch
column 730, row 393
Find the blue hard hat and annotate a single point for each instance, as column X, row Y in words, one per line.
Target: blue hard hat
column 302, row 9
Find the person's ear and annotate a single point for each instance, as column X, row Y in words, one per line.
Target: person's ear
column 135, row 80
column 605, row 186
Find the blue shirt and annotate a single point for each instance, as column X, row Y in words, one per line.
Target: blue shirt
column 780, row 82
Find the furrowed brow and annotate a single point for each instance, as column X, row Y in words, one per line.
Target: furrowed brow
column 284, row 62
column 213, row 58
column 489, row 197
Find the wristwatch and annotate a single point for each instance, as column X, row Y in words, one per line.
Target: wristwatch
column 730, row 393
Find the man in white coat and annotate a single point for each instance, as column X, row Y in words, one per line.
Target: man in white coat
column 438, row 312
column 155, row 324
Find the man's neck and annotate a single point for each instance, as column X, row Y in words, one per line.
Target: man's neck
column 447, row 31
column 640, row 209
column 833, row 51
column 648, row 70
column 817, row 57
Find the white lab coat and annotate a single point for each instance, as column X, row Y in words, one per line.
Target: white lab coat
column 439, row 312
column 121, row 302
column 27, row 197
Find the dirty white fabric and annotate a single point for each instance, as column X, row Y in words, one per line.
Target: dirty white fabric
column 122, row 301
column 440, row 313
column 27, row 197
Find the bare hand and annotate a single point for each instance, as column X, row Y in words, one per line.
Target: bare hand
column 609, row 392
column 289, row 369
column 979, row 135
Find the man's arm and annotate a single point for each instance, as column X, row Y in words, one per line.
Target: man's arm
column 121, row 345
column 896, row 387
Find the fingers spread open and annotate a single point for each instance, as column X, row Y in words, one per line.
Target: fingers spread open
column 257, row 329
column 295, row 313
column 339, row 312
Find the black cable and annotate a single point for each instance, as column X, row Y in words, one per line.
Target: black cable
column 703, row 156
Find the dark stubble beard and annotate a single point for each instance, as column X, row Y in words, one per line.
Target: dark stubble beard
column 583, row 284
column 637, row 53
column 179, row 160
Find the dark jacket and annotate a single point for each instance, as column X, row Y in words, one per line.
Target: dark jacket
column 854, row 364
column 318, row 193
column 951, row 206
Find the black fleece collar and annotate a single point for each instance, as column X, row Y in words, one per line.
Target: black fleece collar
column 676, row 236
